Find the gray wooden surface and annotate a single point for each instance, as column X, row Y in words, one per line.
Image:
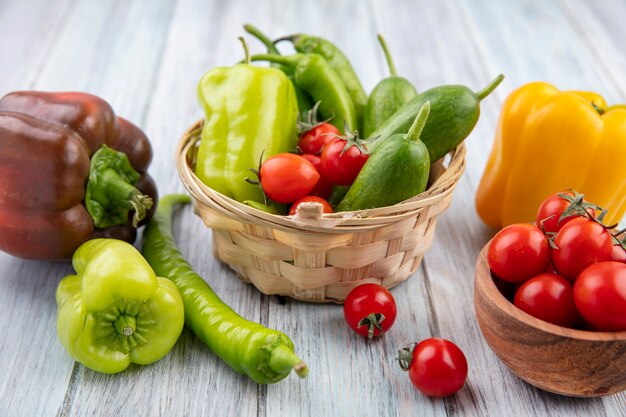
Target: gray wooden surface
column 145, row 58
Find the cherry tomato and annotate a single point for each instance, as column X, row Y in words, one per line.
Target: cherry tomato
column 437, row 367
column 550, row 212
column 600, row 296
column 581, row 242
column 326, row 208
column 548, row 297
column 313, row 141
column 518, row 252
column 370, row 310
column 340, row 167
column 287, row 177
column 618, row 254
column 323, row 188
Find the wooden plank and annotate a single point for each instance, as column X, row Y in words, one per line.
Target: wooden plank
column 27, row 306
column 29, row 30
column 497, row 26
column 349, row 376
column 159, row 77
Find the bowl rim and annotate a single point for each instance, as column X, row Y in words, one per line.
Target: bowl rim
column 483, row 278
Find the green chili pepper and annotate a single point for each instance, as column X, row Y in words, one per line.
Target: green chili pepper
column 312, row 73
column 337, row 61
column 263, row 354
column 115, row 311
column 305, row 102
column 111, row 192
column 387, row 96
column 249, row 110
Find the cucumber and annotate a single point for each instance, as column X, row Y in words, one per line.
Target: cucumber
column 396, row 171
column 454, row 111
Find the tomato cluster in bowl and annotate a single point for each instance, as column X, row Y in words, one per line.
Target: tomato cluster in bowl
column 568, row 269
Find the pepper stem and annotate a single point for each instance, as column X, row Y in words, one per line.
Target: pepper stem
column 490, row 87
column 282, row 360
column 245, row 50
column 418, row 124
column 289, row 62
column 111, row 193
column 390, row 64
column 254, row 31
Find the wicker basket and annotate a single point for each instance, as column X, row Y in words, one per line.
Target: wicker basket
column 320, row 257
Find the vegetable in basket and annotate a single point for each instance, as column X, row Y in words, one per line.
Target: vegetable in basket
column 396, row 171
column 307, row 44
column 454, row 111
column 249, row 111
column 387, row 96
column 313, row 74
column 547, row 141
column 115, row 311
column 305, row 102
column 71, row 170
column 265, row 355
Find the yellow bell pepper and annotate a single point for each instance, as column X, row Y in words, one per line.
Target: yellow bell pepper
column 548, row 141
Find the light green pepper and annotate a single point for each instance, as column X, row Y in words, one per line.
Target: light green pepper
column 250, row 111
column 115, row 311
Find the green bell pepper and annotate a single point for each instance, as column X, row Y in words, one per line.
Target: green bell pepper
column 250, row 111
column 115, row 311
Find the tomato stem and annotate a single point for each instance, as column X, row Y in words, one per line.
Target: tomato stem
column 372, row 321
column 405, row 356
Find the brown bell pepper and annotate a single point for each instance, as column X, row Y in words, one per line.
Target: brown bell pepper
column 70, row 170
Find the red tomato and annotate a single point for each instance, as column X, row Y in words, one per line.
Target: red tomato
column 438, row 367
column 550, row 212
column 581, row 242
column 340, row 167
column 518, row 252
column 322, row 188
column 369, row 310
column 548, row 297
column 287, row 177
column 312, row 141
column 326, row 208
column 600, row 296
column 618, row 254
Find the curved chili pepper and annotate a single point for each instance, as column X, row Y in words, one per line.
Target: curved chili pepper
column 313, row 74
column 265, row 355
column 339, row 62
column 47, row 141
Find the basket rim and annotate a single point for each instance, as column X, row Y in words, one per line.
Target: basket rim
column 315, row 221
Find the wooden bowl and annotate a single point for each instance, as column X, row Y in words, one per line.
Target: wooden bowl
column 564, row 361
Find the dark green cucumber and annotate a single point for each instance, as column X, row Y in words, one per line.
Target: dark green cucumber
column 396, row 171
column 387, row 96
column 454, row 111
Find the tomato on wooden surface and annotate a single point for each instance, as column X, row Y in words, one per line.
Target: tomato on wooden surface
column 342, row 160
column 600, row 296
column 326, row 208
column 580, row 243
column 548, row 297
column 519, row 252
column 370, row 310
column 287, row 177
column 437, row 367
